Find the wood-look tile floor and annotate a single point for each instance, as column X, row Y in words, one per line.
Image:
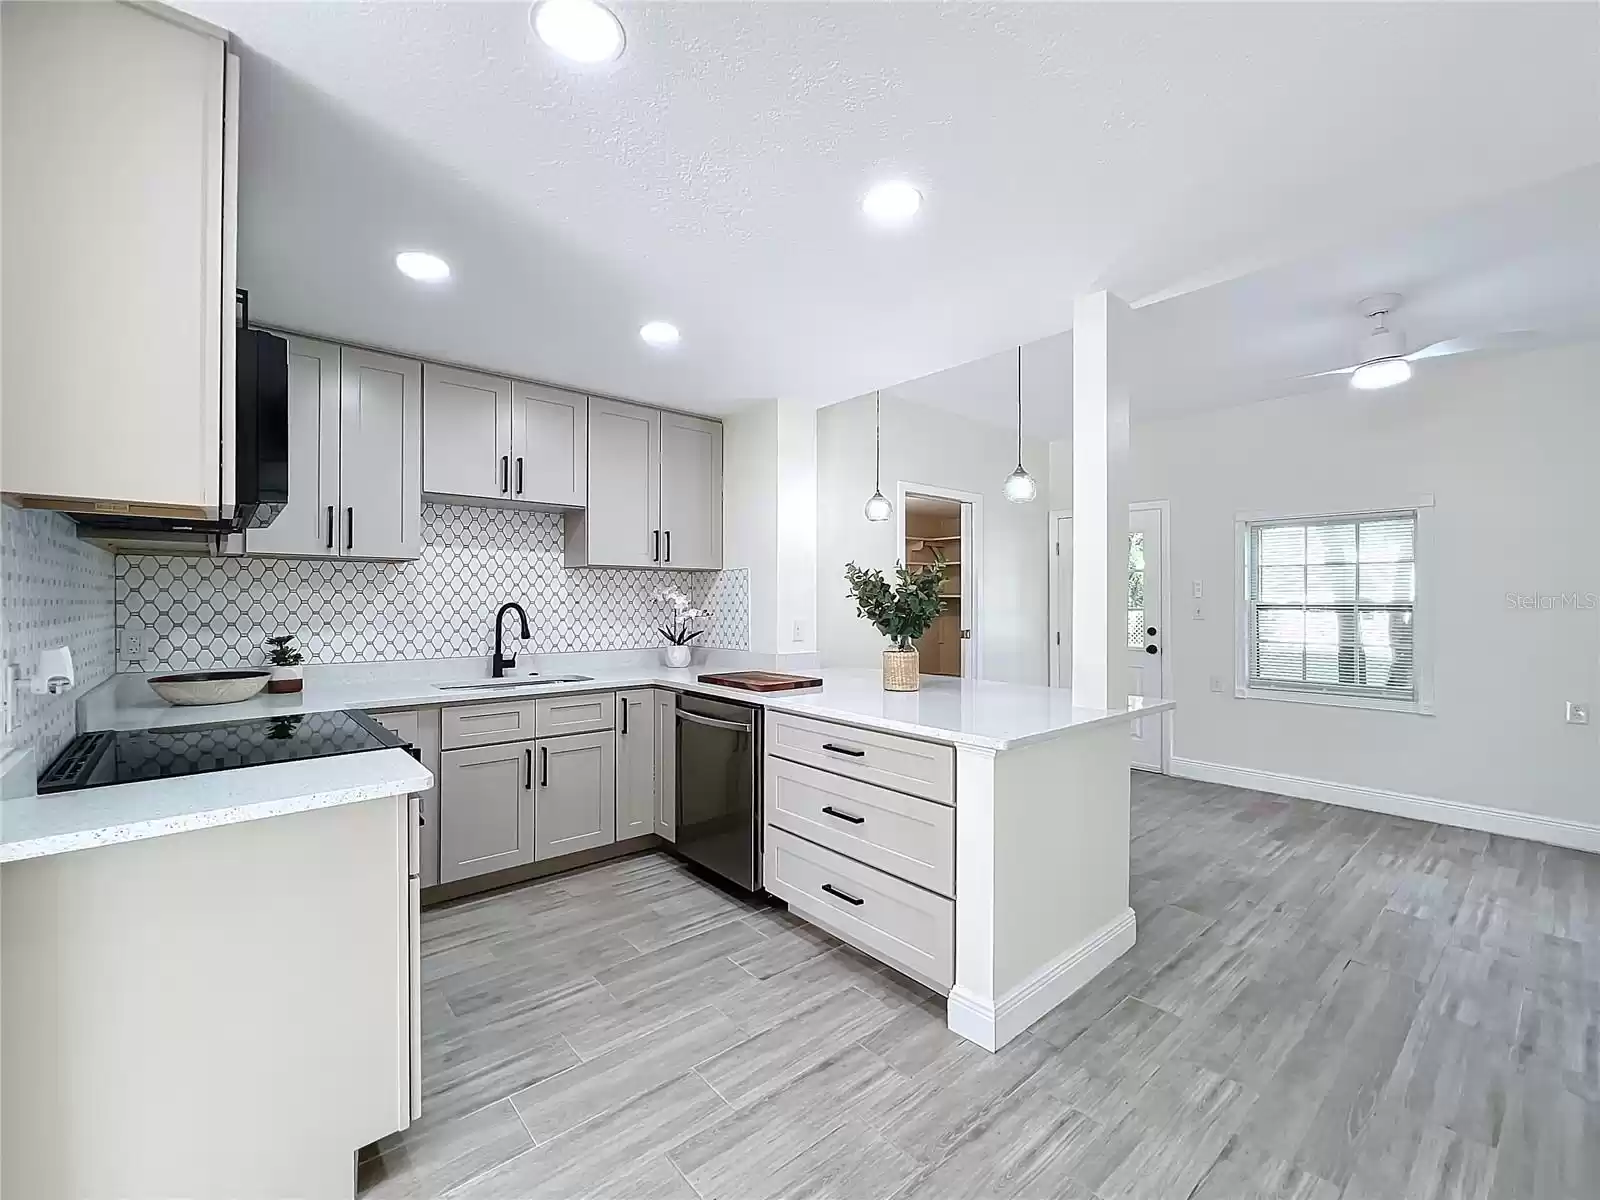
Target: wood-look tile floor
column 1322, row 1004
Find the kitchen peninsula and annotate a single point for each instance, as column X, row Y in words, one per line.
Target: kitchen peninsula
column 1012, row 890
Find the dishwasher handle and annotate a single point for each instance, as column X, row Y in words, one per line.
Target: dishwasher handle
column 737, row 726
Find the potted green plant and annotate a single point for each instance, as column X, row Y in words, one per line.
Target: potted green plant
column 902, row 612
column 288, row 675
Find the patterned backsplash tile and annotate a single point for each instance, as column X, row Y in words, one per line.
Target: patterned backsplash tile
column 198, row 613
column 57, row 591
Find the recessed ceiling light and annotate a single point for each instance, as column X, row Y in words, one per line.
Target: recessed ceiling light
column 1386, row 372
column 583, row 30
column 892, row 203
column 659, row 333
column 419, row 264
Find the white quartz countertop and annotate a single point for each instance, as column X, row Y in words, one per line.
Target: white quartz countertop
column 962, row 712
column 38, row 826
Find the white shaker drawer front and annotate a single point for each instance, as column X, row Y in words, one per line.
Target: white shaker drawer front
column 904, row 835
column 905, row 764
column 888, row 918
column 576, row 714
column 485, row 724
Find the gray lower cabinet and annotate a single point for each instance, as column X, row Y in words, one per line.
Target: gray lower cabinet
column 575, row 795
column 420, row 727
column 667, row 765
column 636, row 763
column 487, row 809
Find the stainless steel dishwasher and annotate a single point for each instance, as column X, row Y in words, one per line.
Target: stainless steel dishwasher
column 719, row 788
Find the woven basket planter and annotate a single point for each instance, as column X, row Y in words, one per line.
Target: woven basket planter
column 901, row 670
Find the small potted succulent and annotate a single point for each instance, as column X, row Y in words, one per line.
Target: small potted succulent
column 288, row 673
column 902, row 612
column 679, row 627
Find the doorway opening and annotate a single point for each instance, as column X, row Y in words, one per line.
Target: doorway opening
column 1149, row 615
column 940, row 522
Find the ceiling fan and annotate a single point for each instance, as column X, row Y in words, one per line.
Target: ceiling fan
column 1381, row 357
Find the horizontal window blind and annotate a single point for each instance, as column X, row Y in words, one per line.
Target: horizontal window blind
column 1332, row 605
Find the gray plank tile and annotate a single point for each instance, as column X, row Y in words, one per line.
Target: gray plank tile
column 593, row 1158
column 489, row 1064
column 603, row 1084
column 1406, row 1157
column 677, row 959
column 1244, row 1173
column 1102, row 1072
column 848, row 1164
column 442, row 1153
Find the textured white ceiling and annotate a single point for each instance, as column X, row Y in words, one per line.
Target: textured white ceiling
column 711, row 176
column 1525, row 262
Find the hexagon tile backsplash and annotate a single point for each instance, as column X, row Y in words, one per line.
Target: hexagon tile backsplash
column 199, row 613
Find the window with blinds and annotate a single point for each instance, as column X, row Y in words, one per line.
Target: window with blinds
column 1332, row 605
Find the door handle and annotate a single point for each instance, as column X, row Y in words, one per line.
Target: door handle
column 527, row 767
column 350, row 528
column 843, row 816
column 505, row 472
column 519, row 474
column 655, row 550
column 624, row 718
column 669, row 545
column 544, row 766
column 330, row 527
column 845, row 896
column 846, row 750
column 714, row 722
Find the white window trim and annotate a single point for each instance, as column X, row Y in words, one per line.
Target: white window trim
column 1422, row 610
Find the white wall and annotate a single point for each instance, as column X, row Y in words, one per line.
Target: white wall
column 925, row 445
column 770, row 520
column 1508, row 448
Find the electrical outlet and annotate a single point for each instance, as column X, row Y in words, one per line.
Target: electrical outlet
column 1577, row 714
column 799, row 634
column 1216, row 684
column 1199, row 613
column 133, row 641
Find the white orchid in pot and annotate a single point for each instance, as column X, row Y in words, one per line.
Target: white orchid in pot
column 680, row 627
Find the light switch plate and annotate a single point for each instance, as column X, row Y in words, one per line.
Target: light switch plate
column 1577, row 713
column 1197, row 589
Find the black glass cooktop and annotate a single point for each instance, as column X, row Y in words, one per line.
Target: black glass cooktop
column 99, row 759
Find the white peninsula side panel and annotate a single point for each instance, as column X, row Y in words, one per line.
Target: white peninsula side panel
column 221, row 1012
column 1042, row 864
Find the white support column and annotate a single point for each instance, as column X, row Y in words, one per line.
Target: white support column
column 1101, row 359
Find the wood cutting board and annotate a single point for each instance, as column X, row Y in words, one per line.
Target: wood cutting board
column 761, row 681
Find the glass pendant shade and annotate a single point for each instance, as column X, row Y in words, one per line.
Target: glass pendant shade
column 1020, row 487
column 878, row 508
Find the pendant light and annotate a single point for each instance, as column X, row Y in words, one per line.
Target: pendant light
column 878, row 508
column 1019, row 486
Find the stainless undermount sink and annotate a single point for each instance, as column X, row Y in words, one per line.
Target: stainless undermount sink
column 521, row 681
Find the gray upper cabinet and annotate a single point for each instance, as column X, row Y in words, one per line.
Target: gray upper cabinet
column 549, row 446
column 355, row 457
column 307, row 525
column 655, row 491
column 575, row 798
column 621, row 526
column 691, row 492
column 636, row 763
column 491, row 439
column 466, row 434
column 380, row 455
column 485, row 809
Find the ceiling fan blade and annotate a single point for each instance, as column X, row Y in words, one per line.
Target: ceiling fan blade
column 1339, row 371
column 1509, row 339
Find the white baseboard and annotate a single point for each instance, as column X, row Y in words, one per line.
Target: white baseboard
column 1575, row 835
column 993, row 1025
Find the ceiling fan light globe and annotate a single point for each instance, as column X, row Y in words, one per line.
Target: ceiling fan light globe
column 1386, row 372
column 1019, row 487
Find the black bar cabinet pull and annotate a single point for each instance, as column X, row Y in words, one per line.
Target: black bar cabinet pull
column 527, row 767
column 505, row 472
column 330, row 527
column 544, row 766
column 655, row 551
column 350, row 528
column 845, row 896
column 624, row 718
column 519, row 474
column 843, row 816
column 669, row 545
column 844, row 750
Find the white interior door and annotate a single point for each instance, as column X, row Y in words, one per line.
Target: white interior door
column 969, row 598
column 1146, row 636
